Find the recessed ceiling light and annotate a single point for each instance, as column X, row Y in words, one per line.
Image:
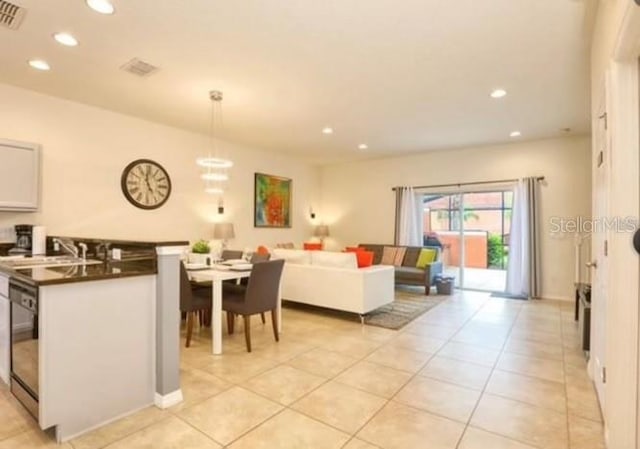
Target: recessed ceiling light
column 65, row 39
column 498, row 93
column 101, row 6
column 39, row 64
column 327, row 130
column 363, row 146
column 515, row 134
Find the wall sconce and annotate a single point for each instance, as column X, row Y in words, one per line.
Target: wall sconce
column 220, row 206
column 312, row 214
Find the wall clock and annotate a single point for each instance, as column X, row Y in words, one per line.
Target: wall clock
column 146, row 184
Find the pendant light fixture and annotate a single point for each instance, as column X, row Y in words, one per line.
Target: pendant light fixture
column 215, row 163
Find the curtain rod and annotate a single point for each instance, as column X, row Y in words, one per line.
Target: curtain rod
column 500, row 181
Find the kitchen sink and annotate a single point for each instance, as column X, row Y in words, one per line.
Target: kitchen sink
column 47, row 261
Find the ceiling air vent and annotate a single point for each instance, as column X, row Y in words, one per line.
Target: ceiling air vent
column 11, row 16
column 139, row 67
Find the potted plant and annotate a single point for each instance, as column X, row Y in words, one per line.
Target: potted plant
column 200, row 252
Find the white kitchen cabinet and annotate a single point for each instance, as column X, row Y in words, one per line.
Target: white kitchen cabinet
column 97, row 351
column 19, row 176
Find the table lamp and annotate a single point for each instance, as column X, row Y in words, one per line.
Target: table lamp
column 321, row 231
column 224, row 232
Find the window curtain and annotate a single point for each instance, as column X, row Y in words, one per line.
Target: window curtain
column 523, row 269
column 408, row 217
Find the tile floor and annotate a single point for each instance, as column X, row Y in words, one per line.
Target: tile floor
column 472, row 373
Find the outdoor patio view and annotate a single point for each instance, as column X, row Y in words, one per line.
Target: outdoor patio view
column 473, row 229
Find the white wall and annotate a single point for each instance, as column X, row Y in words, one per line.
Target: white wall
column 86, row 148
column 358, row 203
column 605, row 35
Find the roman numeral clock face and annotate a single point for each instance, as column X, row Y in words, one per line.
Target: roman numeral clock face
column 146, row 184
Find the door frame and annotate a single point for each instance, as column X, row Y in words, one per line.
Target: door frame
column 501, row 187
column 600, row 272
column 621, row 412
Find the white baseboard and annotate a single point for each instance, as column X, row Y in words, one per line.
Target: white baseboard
column 22, row 327
column 558, row 298
column 168, row 400
column 61, row 439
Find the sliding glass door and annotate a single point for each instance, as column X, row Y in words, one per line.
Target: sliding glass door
column 442, row 218
column 473, row 229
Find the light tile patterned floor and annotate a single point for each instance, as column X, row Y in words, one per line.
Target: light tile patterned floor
column 472, row 373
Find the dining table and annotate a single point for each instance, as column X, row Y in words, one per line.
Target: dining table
column 217, row 274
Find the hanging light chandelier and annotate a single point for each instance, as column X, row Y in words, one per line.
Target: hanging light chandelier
column 214, row 190
column 216, row 163
column 214, row 177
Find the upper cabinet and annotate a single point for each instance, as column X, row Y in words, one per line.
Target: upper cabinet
column 19, row 176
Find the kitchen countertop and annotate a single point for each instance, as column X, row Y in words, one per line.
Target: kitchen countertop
column 42, row 276
column 116, row 242
column 138, row 259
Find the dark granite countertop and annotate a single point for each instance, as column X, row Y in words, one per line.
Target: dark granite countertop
column 131, row 243
column 138, row 258
column 42, row 276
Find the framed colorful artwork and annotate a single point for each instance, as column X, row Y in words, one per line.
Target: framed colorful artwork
column 272, row 201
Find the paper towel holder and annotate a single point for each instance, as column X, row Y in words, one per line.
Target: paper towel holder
column 38, row 241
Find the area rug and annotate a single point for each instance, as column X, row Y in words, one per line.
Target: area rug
column 409, row 304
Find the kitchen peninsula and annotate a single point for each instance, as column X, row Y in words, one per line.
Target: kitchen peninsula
column 80, row 337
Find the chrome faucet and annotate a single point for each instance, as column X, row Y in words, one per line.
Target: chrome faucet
column 69, row 247
column 83, row 247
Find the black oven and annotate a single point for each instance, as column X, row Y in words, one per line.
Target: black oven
column 24, row 344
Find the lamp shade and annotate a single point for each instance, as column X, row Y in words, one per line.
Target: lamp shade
column 222, row 231
column 321, row 231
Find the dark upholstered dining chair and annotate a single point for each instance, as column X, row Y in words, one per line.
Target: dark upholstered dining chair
column 255, row 258
column 192, row 300
column 229, row 254
column 258, row 296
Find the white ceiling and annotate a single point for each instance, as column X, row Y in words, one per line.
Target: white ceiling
column 402, row 76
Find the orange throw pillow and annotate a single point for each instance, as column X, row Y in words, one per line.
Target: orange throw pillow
column 313, row 246
column 365, row 258
column 262, row 250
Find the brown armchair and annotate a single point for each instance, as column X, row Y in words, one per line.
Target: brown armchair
column 258, row 296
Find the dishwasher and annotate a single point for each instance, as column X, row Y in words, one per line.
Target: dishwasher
column 5, row 333
column 23, row 300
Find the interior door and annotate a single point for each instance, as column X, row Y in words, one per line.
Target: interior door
column 599, row 249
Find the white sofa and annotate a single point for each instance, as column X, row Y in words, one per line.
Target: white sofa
column 333, row 280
